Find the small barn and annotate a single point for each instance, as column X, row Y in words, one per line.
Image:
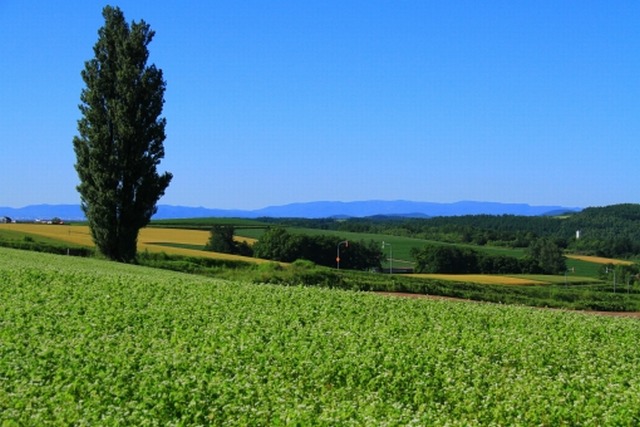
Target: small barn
column 5, row 220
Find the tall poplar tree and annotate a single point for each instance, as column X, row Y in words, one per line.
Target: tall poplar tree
column 121, row 135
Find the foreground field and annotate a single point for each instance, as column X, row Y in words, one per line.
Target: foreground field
column 85, row 342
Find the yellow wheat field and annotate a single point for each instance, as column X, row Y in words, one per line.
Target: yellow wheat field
column 150, row 239
column 483, row 279
column 600, row 260
column 78, row 235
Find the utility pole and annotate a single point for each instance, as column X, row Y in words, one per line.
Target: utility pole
column 346, row 245
column 614, row 277
column 390, row 255
column 572, row 269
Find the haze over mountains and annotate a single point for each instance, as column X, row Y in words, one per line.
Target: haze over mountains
column 310, row 210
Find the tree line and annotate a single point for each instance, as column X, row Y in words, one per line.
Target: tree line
column 278, row 244
column 544, row 256
column 610, row 231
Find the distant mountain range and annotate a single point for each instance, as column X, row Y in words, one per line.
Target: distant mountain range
column 310, row 210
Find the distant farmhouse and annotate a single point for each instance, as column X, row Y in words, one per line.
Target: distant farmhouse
column 5, row 220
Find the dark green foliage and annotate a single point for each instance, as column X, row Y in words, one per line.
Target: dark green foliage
column 446, row 259
column 221, row 240
column 611, row 231
column 121, row 136
column 274, row 245
column 500, row 264
column 449, row 259
column 546, row 257
column 277, row 244
column 362, row 255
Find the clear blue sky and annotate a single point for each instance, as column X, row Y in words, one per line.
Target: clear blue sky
column 275, row 102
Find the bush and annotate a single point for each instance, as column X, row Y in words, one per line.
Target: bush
column 221, row 240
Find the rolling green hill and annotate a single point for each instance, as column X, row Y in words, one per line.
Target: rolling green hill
column 87, row 342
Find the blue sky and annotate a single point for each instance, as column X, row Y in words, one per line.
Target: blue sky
column 275, row 102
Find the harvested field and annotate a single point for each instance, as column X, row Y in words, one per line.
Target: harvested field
column 600, row 260
column 150, row 239
column 484, row 279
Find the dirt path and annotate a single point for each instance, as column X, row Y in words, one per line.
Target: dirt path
column 631, row 314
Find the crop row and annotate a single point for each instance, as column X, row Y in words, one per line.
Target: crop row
column 87, row 342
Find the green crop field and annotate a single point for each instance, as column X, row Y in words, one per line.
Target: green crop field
column 86, row 342
column 17, row 236
column 207, row 223
column 582, row 268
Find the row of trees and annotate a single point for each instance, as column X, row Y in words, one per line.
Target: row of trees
column 278, row 244
column 221, row 240
column 543, row 257
column 610, row 231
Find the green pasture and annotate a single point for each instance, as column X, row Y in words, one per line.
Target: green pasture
column 577, row 267
column 11, row 235
column 207, row 223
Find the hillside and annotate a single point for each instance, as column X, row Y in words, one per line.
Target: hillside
column 86, row 342
column 610, row 231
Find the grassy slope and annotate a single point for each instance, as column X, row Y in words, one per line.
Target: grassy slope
column 8, row 232
column 207, row 223
column 87, row 342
